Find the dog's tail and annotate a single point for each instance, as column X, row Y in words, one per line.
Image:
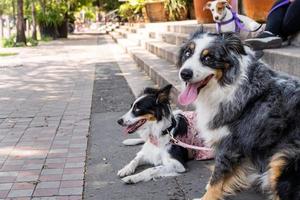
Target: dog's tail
column 288, row 182
column 133, row 141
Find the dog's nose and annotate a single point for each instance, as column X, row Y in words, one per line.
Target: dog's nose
column 121, row 122
column 186, row 74
column 216, row 18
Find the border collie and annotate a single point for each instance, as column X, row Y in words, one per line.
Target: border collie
column 226, row 20
column 152, row 118
column 250, row 114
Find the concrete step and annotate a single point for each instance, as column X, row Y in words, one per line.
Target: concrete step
column 166, row 46
column 159, row 70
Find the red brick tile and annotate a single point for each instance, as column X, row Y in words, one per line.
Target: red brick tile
column 50, row 177
column 75, row 159
column 7, row 179
column 11, row 168
column 45, row 192
column 3, row 193
column 73, row 170
column 68, row 184
column 54, row 166
column 23, row 186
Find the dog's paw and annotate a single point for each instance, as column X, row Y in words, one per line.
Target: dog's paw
column 125, row 171
column 129, row 180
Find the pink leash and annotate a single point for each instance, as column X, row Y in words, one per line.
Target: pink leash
column 188, row 146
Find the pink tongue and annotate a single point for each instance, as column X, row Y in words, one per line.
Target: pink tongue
column 189, row 95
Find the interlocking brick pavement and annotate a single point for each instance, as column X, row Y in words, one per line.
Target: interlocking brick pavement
column 45, row 102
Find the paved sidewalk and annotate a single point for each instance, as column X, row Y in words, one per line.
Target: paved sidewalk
column 45, row 102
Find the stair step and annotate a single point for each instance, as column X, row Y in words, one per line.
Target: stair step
column 286, row 59
column 159, row 70
column 163, row 50
column 166, row 45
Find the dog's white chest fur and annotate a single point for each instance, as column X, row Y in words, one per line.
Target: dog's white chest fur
column 207, row 107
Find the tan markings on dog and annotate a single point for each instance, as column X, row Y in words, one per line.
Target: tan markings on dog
column 220, row 7
column 276, row 166
column 149, row 117
column 192, row 46
column 205, row 52
column 218, row 74
column 237, row 180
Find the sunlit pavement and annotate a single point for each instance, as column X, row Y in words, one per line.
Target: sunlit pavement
column 45, row 102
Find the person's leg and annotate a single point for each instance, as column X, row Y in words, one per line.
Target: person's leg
column 291, row 24
column 270, row 38
column 275, row 19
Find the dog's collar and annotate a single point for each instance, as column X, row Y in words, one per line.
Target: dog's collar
column 169, row 129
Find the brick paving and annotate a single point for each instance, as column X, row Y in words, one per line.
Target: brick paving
column 45, row 103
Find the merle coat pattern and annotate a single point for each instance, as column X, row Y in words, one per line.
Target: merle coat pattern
column 253, row 117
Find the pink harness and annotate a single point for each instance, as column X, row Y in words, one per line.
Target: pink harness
column 192, row 141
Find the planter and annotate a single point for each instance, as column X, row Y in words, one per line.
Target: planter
column 202, row 16
column 155, row 11
column 257, row 9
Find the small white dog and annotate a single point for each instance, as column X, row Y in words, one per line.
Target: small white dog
column 152, row 118
column 229, row 21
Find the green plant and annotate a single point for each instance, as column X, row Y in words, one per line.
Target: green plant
column 9, row 42
column 46, row 39
column 132, row 8
column 176, row 9
column 7, row 54
column 31, row 42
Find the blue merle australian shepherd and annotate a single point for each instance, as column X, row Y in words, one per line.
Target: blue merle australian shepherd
column 250, row 114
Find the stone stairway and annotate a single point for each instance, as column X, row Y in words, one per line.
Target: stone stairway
column 154, row 47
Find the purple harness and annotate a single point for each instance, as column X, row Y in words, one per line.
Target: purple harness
column 239, row 25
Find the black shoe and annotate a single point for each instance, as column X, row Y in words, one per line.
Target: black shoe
column 264, row 40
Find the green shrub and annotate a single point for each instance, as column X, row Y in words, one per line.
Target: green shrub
column 175, row 8
column 9, row 42
column 31, row 42
column 46, row 39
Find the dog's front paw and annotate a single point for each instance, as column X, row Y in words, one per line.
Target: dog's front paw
column 127, row 170
column 129, row 180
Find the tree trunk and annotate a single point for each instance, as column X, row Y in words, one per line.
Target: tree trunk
column 1, row 27
column 20, row 23
column 33, row 12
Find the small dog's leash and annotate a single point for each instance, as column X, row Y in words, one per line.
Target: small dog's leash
column 187, row 146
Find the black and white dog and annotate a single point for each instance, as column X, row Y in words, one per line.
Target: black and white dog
column 151, row 117
column 250, row 114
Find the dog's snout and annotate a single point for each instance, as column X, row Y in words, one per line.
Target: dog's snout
column 120, row 122
column 186, row 74
column 216, row 18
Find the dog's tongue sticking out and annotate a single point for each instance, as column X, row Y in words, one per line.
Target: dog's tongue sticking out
column 189, row 95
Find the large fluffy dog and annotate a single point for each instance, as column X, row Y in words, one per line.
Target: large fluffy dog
column 152, row 118
column 249, row 113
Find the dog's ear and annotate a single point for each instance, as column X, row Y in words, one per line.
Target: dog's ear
column 221, row 4
column 149, row 90
column 207, row 5
column 164, row 94
column 234, row 44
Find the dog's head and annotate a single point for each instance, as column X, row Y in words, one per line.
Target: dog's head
column 151, row 107
column 218, row 9
column 208, row 60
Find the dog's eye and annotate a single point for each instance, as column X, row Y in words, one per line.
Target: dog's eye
column 188, row 53
column 207, row 58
